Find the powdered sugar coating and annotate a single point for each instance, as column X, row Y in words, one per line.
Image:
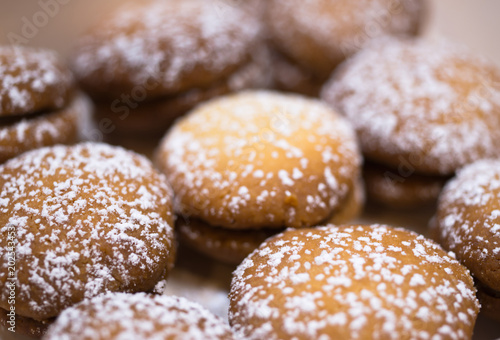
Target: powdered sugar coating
column 319, row 34
column 260, row 159
column 178, row 44
column 139, row 316
column 88, row 219
column 352, row 282
column 32, row 80
column 433, row 103
column 469, row 220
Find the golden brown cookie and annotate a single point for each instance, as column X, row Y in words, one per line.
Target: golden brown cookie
column 401, row 190
column 77, row 221
column 433, row 105
column 172, row 46
column 352, row 282
column 23, row 133
column 468, row 223
column 260, row 159
column 319, row 34
column 32, row 80
column 138, row 316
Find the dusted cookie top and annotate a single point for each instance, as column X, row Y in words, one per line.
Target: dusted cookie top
column 138, row 316
column 468, row 219
column 260, row 159
column 165, row 46
column 319, row 34
column 32, row 80
column 87, row 219
column 432, row 104
column 353, row 282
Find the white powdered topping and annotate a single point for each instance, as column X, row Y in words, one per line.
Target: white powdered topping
column 166, row 40
column 139, row 316
column 352, row 283
column 88, row 219
column 253, row 159
column 340, row 28
column 27, row 76
column 432, row 103
column 469, row 219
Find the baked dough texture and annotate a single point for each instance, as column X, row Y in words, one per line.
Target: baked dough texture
column 260, row 159
column 435, row 105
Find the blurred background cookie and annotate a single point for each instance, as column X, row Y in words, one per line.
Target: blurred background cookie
column 352, row 282
column 78, row 221
column 468, row 223
column 138, row 316
column 39, row 103
column 158, row 59
column 262, row 160
column 420, row 107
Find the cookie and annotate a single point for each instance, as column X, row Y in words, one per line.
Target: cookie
column 153, row 61
column 401, row 190
column 352, row 282
column 467, row 223
column 260, row 159
column 39, row 105
column 433, row 105
column 138, row 316
column 319, row 34
column 77, row 221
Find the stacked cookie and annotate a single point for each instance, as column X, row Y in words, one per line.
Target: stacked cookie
column 248, row 165
column 312, row 37
column 39, row 103
column 422, row 110
column 148, row 63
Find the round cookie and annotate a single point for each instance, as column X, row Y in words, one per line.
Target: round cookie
column 319, row 34
column 467, row 223
column 32, row 80
column 232, row 246
column 393, row 189
column 173, row 45
column 352, row 282
column 260, row 159
column 78, row 221
column 138, row 316
column 432, row 104
column 23, row 133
